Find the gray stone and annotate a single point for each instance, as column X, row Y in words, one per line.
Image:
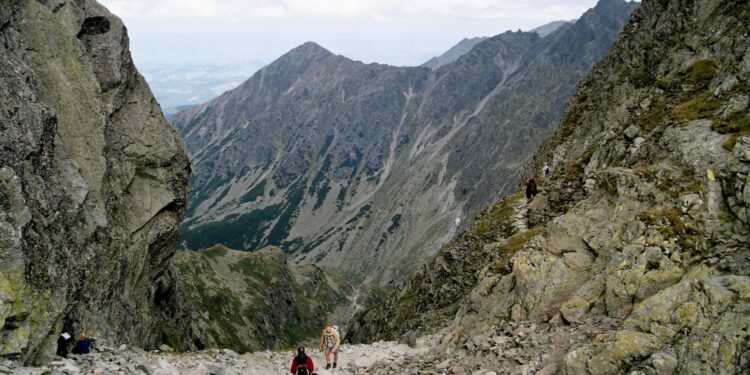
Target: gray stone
column 632, row 131
column 664, row 363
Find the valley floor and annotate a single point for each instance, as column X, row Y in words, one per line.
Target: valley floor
column 519, row 348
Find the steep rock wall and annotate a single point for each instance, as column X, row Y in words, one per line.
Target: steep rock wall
column 93, row 181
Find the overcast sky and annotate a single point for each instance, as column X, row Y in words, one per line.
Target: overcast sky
column 398, row 32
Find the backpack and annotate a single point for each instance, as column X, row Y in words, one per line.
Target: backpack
column 302, row 366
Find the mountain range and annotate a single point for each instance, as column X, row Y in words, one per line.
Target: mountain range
column 633, row 257
column 367, row 168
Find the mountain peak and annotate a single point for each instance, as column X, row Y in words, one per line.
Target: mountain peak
column 310, row 50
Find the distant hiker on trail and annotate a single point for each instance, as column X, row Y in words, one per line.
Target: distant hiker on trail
column 302, row 364
column 83, row 345
column 546, row 170
column 531, row 190
column 62, row 344
column 329, row 343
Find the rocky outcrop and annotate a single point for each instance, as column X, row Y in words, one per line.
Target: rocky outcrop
column 225, row 298
column 642, row 219
column 93, row 181
column 365, row 167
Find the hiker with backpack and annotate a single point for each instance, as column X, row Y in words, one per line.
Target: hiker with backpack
column 329, row 343
column 302, row 364
column 531, row 190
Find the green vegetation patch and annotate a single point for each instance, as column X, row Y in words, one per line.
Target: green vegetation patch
column 256, row 192
column 655, row 115
column 280, row 231
column 497, row 222
column 259, row 267
column 518, row 241
column 374, row 295
column 321, row 195
column 737, row 124
column 702, row 105
column 395, row 223
column 701, row 73
column 235, row 231
column 216, row 251
column 340, row 198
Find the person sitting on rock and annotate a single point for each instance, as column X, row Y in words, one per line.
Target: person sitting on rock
column 83, row 345
column 329, row 343
column 302, row 364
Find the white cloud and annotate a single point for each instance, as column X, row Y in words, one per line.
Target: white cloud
column 195, row 8
column 377, row 10
column 398, row 32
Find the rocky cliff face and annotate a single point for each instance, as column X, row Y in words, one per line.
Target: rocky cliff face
column 641, row 230
column 93, row 181
column 365, row 168
column 244, row 301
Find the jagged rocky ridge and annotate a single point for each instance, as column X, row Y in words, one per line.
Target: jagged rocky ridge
column 549, row 28
column 453, row 53
column 643, row 220
column 365, row 168
column 93, row 182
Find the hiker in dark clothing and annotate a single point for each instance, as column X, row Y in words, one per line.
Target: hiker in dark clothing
column 302, row 364
column 83, row 345
column 531, row 190
column 62, row 344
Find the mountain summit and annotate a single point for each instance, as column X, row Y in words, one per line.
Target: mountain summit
column 309, row 52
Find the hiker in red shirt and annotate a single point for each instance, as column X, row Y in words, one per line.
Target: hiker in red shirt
column 302, row 364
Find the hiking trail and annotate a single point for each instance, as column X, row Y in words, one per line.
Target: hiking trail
column 520, row 211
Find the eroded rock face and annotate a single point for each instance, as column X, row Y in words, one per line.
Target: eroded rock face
column 643, row 219
column 93, row 181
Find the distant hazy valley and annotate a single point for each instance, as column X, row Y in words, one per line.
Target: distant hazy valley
column 179, row 85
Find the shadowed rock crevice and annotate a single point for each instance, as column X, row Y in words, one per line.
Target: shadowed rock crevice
column 94, row 26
